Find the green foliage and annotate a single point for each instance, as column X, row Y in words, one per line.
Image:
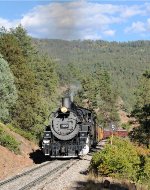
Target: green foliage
column 69, row 74
column 122, row 160
column 47, row 80
column 117, row 160
column 126, row 126
column 35, row 79
column 8, row 93
column 99, row 95
column 125, row 62
column 147, row 169
column 142, row 111
column 23, row 113
column 24, row 41
column 144, row 171
column 143, row 90
column 9, row 142
column 25, row 134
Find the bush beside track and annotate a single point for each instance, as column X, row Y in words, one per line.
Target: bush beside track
column 122, row 160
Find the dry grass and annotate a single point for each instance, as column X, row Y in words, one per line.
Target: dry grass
column 107, row 183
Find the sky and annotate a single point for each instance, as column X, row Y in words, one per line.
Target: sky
column 111, row 20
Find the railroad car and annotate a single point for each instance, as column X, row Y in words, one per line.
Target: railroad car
column 106, row 133
column 71, row 132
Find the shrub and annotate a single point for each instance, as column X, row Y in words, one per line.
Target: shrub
column 126, row 126
column 147, row 168
column 144, row 172
column 117, row 160
column 123, row 160
column 147, row 171
column 9, row 142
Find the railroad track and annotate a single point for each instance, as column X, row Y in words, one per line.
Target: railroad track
column 23, row 174
column 27, row 179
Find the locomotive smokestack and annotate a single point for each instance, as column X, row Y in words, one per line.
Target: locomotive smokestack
column 66, row 102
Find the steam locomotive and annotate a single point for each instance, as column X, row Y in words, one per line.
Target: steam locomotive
column 71, row 133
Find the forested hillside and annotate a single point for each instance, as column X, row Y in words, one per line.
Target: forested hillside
column 28, row 83
column 125, row 62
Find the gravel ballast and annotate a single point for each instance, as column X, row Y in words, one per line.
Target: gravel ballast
column 71, row 178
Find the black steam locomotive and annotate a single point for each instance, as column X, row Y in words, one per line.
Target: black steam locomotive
column 71, row 133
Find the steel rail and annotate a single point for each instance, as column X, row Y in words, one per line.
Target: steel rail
column 23, row 174
column 43, row 177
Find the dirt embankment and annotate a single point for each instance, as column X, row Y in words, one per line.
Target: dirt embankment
column 11, row 163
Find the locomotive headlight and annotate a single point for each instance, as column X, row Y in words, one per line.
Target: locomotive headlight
column 63, row 109
column 46, row 141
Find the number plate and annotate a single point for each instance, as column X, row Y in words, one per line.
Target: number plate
column 64, row 126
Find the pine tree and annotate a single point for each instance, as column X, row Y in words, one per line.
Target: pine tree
column 142, row 111
column 24, row 41
column 35, row 79
column 47, row 79
column 28, row 111
column 43, row 67
column 99, row 95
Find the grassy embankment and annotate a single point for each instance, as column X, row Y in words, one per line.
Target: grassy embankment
column 8, row 141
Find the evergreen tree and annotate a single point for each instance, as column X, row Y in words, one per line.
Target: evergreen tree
column 98, row 94
column 24, row 42
column 142, row 111
column 28, row 111
column 35, row 79
column 47, row 79
column 43, row 67
column 8, row 93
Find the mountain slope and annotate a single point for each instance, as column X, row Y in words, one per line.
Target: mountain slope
column 124, row 61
